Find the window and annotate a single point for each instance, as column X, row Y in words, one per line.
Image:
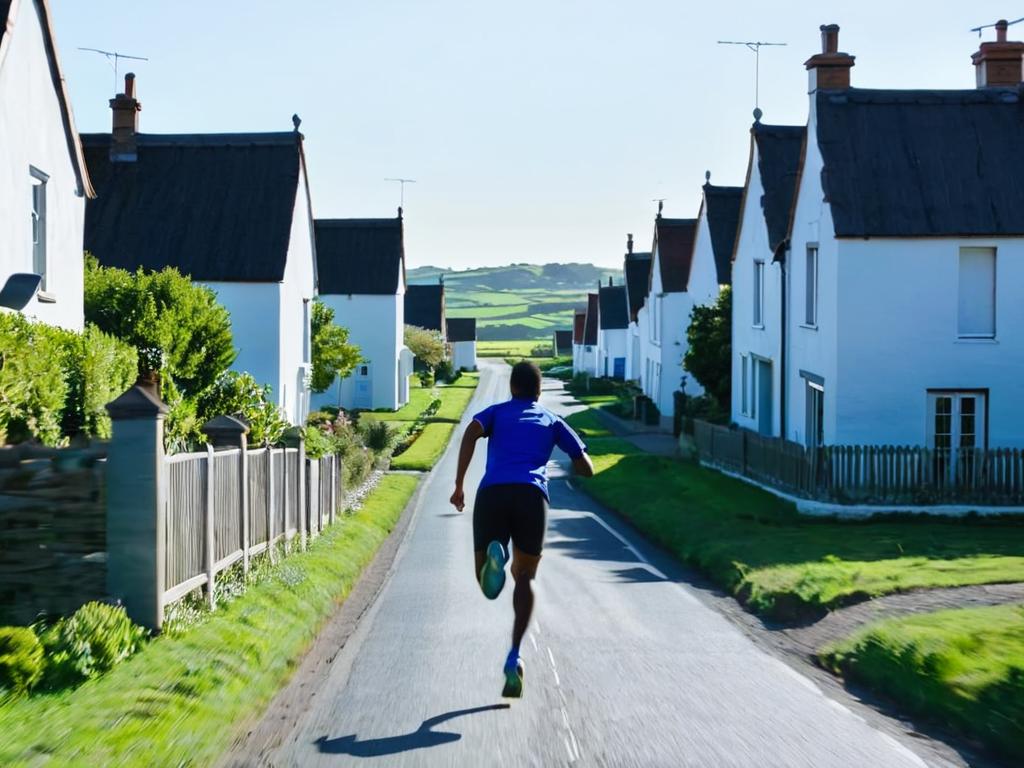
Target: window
column 976, row 315
column 39, row 180
column 306, row 332
column 744, row 385
column 759, row 294
column 811, row 310
column 956, row 427
column 815, row 416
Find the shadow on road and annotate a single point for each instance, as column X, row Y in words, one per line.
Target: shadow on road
column 422, row 738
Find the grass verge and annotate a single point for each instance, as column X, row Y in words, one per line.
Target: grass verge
column 180, row 700
column 588, row 424
column 963, row 668
column 786, row 565
column 423, row 454
column 455, row 397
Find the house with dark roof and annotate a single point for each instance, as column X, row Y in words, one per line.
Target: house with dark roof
column 361, row 276
column 424, row 307
column 44, row 181
column 902, row 263
column 231, row 211
column 579, row 324
column 562, row 343
column 612, row 328
column 462, row 340
column 681, row 277
column 587, row 361
column 636, row 270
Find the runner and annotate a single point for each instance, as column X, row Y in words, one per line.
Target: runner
column 512, row 500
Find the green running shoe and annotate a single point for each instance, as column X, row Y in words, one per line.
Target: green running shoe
column 513, row 678
column 492, row 575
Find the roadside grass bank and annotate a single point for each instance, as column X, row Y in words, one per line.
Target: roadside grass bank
column 456, row 396
column 588, row 424
column 426, row 449
column 181, row 700
column 428, row 435
column 963, row 668
column 787, row 566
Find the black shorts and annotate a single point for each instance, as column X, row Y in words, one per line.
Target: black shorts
column 515, row 511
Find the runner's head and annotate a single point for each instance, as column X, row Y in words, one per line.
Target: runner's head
column 525, row 381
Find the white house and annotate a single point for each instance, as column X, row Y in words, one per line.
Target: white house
column 44, row 182
column 579, row 324
column 561, row 343
column 361, row 276
column 637, row 272
column 682, row 276
column 757, row 276
column 233, row 212
column 905, row 261
column 612, row 330
column 462, row 338
column 588, row 362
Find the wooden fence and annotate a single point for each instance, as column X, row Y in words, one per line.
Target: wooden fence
column 867, row 474
column 225, row 506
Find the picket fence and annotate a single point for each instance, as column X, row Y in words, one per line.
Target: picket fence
column 225, row 506
column 909, row 475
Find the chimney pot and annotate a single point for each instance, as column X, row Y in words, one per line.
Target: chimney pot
column 829, row 69
column 629, row 243
column 1001, row 26
column 125, row 123
column 829, row 38
column 998, row 63
column 129, row 85
column 609, row 281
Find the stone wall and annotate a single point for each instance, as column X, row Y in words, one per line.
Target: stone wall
column 52, row 530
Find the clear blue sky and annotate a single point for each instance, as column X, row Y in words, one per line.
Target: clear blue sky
column 538, row 130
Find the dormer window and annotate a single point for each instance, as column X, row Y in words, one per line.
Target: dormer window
column 39, row 180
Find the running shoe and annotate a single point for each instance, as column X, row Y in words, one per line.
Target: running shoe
column 492, row 575
column 513, row 677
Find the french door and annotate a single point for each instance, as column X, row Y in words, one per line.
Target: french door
column 956, row 429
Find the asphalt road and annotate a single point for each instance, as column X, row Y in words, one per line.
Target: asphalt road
column 624, row 665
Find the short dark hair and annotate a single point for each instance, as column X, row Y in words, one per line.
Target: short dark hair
column 525, row 381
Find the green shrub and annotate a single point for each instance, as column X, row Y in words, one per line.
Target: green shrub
column 333, row 356
column 378, row 436
column 542, row 350
column 427, row 378
column 356, row 465
column 238, row 394
column 318, row 442
column 21, row 660
column 33, row 385
column 90, row 642
column 444, row 371
column 99, row 369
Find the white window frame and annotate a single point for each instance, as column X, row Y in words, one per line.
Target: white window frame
column 814, row 417
column 40, row 261
column 811, row 286
column 957, row 396
column 758, row 308
column 995, row 278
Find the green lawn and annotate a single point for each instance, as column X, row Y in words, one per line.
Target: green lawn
column 517, row 349
column 588, row 424
column 419, row 399
column 455, row 397
column 183, row 699
column 787, row 565
column 423, row 454
column 964, row 668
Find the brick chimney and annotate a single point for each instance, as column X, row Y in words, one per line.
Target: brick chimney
column 830, row 69
column 999, row 64
column 629, row 243
column 125, row 108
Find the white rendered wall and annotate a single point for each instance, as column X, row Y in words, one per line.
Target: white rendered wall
column 633, row 360
column 755, row 342
column 254, row 308
column 298, row 289
column 612, row 344
column 32, row 134
column 374, row 323
column 464, row 355
column 903, row 340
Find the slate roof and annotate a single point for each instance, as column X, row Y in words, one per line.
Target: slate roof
column 923, row 163
column 590, row 328
column 219, row 207
column 614, row 311
column 8, row 27
column 359, row 256
column 637, row 271
column 722, row 209
column 579, row 322
column 424, row 306
column 778, row 163
column 461, row 329
column 674, row 239
column 563, row 342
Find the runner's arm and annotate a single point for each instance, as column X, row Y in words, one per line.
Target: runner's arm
column 583, row 466
column 473, row 432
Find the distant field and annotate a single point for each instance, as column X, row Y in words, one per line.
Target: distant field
column 518, row 348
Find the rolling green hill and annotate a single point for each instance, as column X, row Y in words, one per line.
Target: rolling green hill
column 520, row 301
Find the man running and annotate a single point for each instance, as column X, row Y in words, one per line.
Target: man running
column 512, row 500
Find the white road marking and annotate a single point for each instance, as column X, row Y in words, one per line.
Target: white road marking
column 553, row 668
column 534, row 641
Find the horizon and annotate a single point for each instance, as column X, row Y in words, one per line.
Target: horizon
column 527, row 130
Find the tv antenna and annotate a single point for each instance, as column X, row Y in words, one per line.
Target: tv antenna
column 755, row 46
column 661, row 204
column 113, row 57
column 998, row 23
column 402, row 183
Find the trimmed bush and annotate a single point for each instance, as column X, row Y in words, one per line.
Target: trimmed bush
column 378, row 436
column 99, row 369
column 238, row 394
column 21, row 659
column 33, row 385
column 89, row 642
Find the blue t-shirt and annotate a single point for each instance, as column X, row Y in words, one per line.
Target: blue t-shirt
column 522, row 434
